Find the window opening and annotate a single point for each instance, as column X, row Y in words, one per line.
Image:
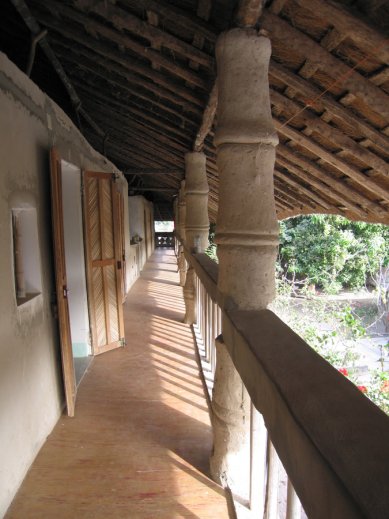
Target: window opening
column 27, row 271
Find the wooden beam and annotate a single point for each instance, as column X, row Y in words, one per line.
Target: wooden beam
column 326, row 102
column 120, row 81
column 121, row 19
column 126, row 124
column 292, row 196
column 208, row 118
column 248, row 13
column 345, row 21
column 349, row 79
column 58, row 8
column 381, row 77
column 326, row 183
column 331, row 193
column 287, row 179
column 340, row 139
column 150, row 144
column 204, row 8
column 363, row 180
column 135, row 114
column 101, row 53
column 148, row 115
column 167, row 11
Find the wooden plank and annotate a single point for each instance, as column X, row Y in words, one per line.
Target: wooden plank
column 309, row 193
column 339, row 138
column 102, row 262
column 134, row 111
column 119, row 250
column 336, row 189
column 61, row 282
column 167, row 11
column 329, row 104
column 349, row 78
column 332, row 194
column 295, row 198
column 353, row 27
column 129, row 69
column 102, row 224
column 142, row 444
column 121, row 39
column 122, row 19
column 363, row 180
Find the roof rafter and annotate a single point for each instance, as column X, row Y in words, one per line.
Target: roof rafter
column 326, row 102
column 350, row 79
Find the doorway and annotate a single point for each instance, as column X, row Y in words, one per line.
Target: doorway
column 75, row 268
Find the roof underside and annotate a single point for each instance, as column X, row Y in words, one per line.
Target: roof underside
column 144, row 71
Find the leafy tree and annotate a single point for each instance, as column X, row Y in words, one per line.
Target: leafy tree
column 333, row 252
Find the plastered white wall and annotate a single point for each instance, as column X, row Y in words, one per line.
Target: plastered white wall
column 142, row 224
column 31, row 396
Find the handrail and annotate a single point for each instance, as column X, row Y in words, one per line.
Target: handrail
column 316, row 418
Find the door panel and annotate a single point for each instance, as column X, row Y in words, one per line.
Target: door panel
column 121, row 241
column 61, row 283
column 104, row 261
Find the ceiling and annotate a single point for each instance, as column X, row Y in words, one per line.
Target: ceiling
column 139, row 78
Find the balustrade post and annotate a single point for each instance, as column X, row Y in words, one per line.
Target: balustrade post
column 246, row 231
column 196, row 222
column 181, row 232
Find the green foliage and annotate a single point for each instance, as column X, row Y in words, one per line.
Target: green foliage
column 332, row 252
column 211, row 250
column 378, row 390
column 332, row 330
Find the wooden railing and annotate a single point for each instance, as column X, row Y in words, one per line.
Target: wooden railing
column 309, row 424
column 164, row 239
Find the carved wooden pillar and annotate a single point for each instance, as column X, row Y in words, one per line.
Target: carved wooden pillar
column 197, row 222
column 181, row 232
column 246, row 231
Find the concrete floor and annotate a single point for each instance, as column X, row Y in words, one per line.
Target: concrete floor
column 140, row 442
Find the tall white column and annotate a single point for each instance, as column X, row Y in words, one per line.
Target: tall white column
column 197, row 221
column 246, row 231
column 181, row 232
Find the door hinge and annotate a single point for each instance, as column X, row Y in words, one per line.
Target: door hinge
column 123, row 342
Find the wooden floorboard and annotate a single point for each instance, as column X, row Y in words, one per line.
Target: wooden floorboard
column 140, row 442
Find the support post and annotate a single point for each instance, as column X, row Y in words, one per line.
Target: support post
column 196, row 223
column 181, row 232
column 246, row 231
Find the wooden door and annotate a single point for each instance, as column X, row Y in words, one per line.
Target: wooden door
column 60, row 282
column 121, row 241
column 104, row 261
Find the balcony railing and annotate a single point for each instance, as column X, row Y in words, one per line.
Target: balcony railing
column 164, row 239
column 309, row 424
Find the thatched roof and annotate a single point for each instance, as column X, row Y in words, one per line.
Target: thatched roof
column 144, row 72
